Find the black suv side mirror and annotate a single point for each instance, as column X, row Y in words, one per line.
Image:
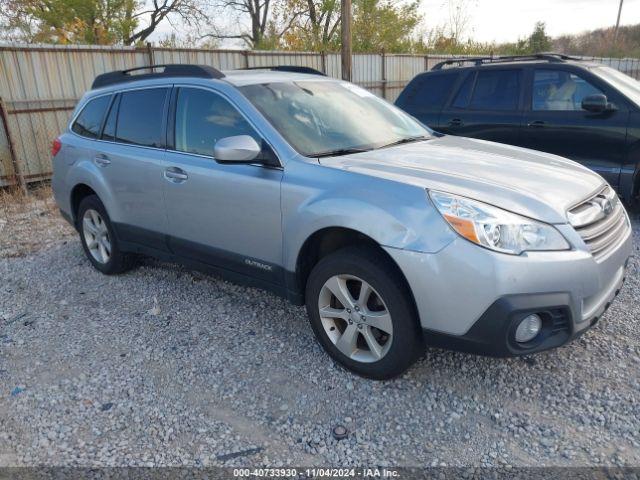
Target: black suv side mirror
column 597, row 104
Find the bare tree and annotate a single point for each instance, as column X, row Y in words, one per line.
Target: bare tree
column 188, row 12
column 257, row 11
column 268, row 21
column 459, row 18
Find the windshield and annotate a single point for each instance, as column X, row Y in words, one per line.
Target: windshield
column 627, row 85
column 323, row 118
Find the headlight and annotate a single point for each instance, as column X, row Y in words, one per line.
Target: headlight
column 494, row 228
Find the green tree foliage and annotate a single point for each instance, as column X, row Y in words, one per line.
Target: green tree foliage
column 377, row 25
column 602, row 42
column 91, row 21
column 539, row 41
column 70, row 21
column 314, row 25
column 440, row 42
column 384, row 25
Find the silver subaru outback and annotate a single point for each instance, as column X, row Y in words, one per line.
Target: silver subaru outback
column 392, row 235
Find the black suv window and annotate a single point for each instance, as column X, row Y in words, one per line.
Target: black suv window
column 557, row 90
column 464, row 93
column 140, row 117
column 203, row 118
column 431, row 91
column 89, row 121
column 496, row 90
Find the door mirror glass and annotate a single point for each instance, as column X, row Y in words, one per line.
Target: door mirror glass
column 236, row 149
column 596, row 103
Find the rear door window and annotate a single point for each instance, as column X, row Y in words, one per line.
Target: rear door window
column 430, row 92
column 141, row 116
column 464, row 92
column 109, row 130
column 89, row 122
column 496, row 90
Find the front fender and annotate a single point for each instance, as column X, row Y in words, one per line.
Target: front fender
column 393, row 214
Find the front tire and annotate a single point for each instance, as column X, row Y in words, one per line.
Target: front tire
column 98, row 238
column 362, row 314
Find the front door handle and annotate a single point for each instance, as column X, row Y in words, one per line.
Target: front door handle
column 536, row 124
column 456, row 122
column 101, row 160
column 175, row 175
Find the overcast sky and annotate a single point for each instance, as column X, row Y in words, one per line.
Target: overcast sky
column 507, row 20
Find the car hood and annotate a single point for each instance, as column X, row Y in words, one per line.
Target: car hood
column 535, row 184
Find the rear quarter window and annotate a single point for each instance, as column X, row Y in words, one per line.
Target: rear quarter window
column 429, row 92
column 89, row 121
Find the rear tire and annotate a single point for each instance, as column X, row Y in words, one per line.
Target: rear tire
column 377, row 333
column 98, row 238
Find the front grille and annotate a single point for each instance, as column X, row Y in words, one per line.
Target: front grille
column 601, row 222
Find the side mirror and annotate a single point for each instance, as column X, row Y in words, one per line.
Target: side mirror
column 597, row 104
column 236, row 149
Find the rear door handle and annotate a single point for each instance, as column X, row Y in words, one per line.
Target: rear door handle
column 537, row 124
column 456, row 122
column 101, row 160
column 175, row 175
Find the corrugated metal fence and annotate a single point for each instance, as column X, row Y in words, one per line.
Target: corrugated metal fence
column 40, row 84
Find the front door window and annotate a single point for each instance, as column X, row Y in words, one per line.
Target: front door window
column 557, row 90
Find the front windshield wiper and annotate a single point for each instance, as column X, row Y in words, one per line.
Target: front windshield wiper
column 347, row 151
column 338, row 152
column 416, row 138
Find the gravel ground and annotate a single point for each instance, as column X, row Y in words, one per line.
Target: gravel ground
column 162, row 366
column 30, row 222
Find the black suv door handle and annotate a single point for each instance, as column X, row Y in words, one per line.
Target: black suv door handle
column 537, row 124
column 456, row 122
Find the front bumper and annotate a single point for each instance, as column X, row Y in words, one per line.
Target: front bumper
column 471, row 299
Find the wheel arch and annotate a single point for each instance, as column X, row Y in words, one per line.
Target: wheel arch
column 86, row 179
column 328, row 240
column 78, row 193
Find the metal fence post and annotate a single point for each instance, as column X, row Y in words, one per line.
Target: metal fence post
column 384, row 74
column 323, row 61
column 245, row 54
column 17, row 172
column 426, row 63
column 150, row 53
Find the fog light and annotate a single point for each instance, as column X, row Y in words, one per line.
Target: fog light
column 529, row 327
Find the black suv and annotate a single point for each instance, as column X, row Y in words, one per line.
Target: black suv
column 584, row 111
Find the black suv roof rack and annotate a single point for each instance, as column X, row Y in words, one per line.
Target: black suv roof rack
column 288, row 68
column 550, row 57
column 169, row 70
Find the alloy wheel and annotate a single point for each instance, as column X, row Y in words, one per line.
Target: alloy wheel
column 355, row 318
column 96, row 236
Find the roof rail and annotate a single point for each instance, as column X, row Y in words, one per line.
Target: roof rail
column 289, row 68
column 169, row 70
column 550, row 57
